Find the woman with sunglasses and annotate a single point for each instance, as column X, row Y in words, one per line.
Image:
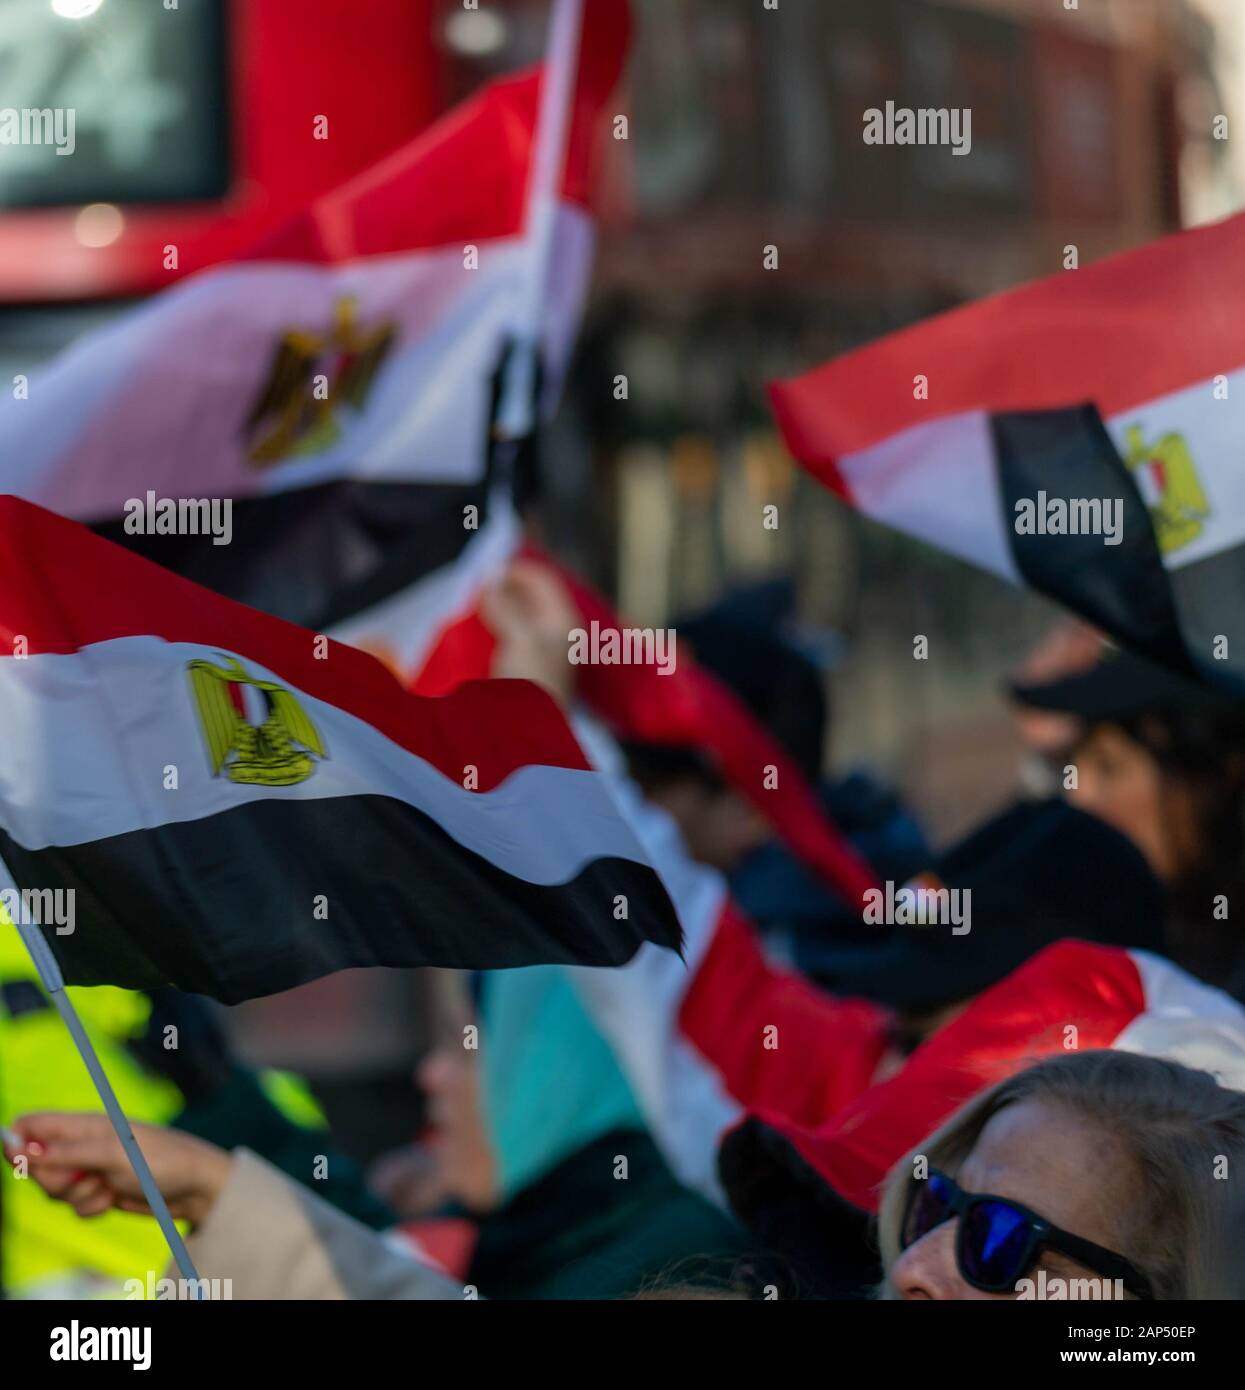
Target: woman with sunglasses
column 1091, row 1175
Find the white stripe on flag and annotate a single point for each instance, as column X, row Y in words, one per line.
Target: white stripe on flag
column 159, row 399
column 938, row 482
column 1193, row 463
column 1186, row 1021
column 85, row 739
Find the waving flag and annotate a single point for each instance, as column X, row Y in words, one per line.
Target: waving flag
column 338, row 387
column 238, row 805
column 1113, row 998
column 1080, row 435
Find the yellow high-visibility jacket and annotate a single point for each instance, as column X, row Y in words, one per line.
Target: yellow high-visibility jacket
column 43, row 1244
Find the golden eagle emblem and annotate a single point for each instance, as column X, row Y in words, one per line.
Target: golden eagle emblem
column 312, row 376
column 278, row 750
column 1169, row 486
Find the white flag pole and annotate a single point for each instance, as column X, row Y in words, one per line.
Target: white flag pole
column 50, row 973
column 515, row 416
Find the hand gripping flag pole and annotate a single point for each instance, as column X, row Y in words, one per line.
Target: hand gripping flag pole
column 50, row 973
column 517, row 404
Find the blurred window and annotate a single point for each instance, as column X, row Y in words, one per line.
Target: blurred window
column 147, row 91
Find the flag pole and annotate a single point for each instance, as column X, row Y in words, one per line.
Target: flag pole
column 515, row 416
column 53, row 981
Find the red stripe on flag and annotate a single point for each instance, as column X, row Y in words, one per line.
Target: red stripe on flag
column 462, row 650
column 1119, row 333
column 465, row 178
column 63, row 588
column 826, row 1050
column 1096, row 989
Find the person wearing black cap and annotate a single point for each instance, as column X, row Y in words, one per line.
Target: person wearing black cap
column 1161, row 757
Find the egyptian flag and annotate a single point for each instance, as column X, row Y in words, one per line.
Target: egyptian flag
column 1080, row 435
column 338, row 386
column 239, row 805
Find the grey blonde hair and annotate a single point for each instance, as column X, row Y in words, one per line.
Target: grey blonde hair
column 1182, row 1130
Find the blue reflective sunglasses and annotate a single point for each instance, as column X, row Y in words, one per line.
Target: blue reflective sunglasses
column 999, row 1241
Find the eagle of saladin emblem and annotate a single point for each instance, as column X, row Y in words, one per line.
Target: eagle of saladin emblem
column 279, row 751
column 1169, row 485
column 291, row 415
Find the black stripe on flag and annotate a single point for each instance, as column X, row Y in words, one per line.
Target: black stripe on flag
column 1208, row 595
column 318, row 555
column 400, row 892
column 1123, row 589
